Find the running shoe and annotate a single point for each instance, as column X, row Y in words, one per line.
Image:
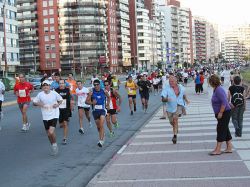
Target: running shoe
column 111, row 134
column 100, row 143
column 174, row 139
column 54, row 149
column 81, row 130
column 64, row 141
column 116, row 125
column 24, row 128
column 131, row 113
column 28, row 126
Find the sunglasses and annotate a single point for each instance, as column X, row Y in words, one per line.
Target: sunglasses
column 96, row 84
column 45, row 85
column 106, row 85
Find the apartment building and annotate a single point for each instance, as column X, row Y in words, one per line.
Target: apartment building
column 9, row 49
column 83, row 35
column 123, row 35
column 181, row 33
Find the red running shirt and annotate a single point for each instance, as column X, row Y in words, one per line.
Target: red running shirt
column 23, row 90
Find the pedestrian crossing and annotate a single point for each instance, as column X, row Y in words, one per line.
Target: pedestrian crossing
column 151, row 159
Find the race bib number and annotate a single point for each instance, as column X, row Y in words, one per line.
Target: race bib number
column 98, row 107
column 48, row 108
column 22, row 93
column 114, row 83
column 63, row 104
column 130, row 90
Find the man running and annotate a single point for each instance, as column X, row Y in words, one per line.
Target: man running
column 97, row 98
column 64, row 108
column 115, row 82
column 49, row 102
column 82, row 93
column 55, row 84
column 113, row 107
column 144, row 86
column 23, row 90
column 131, row 87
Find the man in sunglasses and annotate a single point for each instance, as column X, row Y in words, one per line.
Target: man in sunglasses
column 49, row 102
column 100, row 100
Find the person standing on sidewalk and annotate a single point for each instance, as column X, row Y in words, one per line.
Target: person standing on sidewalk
column 98, row 98
column 82, row 93
column 222, row 113
column 2, row 91
column 237, row 99
column 64, row 108
column 202, row 78
column 175, row 98
column 49, row 102
column 23, row 90
column 113, row 107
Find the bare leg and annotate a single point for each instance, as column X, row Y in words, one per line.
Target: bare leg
column 80, row 114
column 51, row 135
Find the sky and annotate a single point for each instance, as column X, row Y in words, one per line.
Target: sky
column 222, row 12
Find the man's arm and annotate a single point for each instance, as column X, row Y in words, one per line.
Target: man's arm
column 108, row 99
column 88, row 99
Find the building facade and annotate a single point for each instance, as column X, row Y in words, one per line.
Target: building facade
column 83, row 35
column 9, row 47
column 123, row 35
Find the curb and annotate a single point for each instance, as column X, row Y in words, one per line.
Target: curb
column 9, row 103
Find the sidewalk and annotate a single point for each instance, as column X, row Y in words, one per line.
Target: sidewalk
column 150, row 158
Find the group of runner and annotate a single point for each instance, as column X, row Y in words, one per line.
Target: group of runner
column 57, row 101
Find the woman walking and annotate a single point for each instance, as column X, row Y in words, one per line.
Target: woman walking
column 222, row 113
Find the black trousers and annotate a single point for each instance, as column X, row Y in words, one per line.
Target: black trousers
column 1, row 106
column 198, row 88
column 223, row 132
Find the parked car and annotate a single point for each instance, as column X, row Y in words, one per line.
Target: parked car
column 36, row 82
column 9, row 83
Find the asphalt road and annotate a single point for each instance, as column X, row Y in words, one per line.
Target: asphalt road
column 25, row 159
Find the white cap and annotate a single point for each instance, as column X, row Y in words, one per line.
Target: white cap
column 46, row 82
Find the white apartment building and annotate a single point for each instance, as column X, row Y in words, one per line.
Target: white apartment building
column 236, row 43
column 11, row 30
column 143, row 38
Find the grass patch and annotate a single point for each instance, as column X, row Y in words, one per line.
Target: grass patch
column 246, row 75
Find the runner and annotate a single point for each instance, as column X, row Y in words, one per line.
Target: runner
column 115, row 82
column 72, row 85
column 94, row 77
column 156, row 81
column 64, row 108
column 131, row 87
column 49, row 102
column 175, row 98
column 97, row 98
column 144, row 86
column 55, row 84
column 82, row 93
column 23, row 90
column 113, row 108
column 2, row 91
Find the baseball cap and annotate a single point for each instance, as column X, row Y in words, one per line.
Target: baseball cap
column 46, row 82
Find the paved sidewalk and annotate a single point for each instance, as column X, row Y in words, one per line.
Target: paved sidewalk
column 150, row 158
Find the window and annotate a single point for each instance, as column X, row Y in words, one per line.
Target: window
column 52, row 29
column 53, row 46
column 46, row 29
column 45, row 4
column 45, row 21
column 47, row 55
column 50, row 2
column 46, row 38
column 47, row 47
column 51, row 20
column 51, row 12
column 53, row 55
column 45, row 12
column 52, row 37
